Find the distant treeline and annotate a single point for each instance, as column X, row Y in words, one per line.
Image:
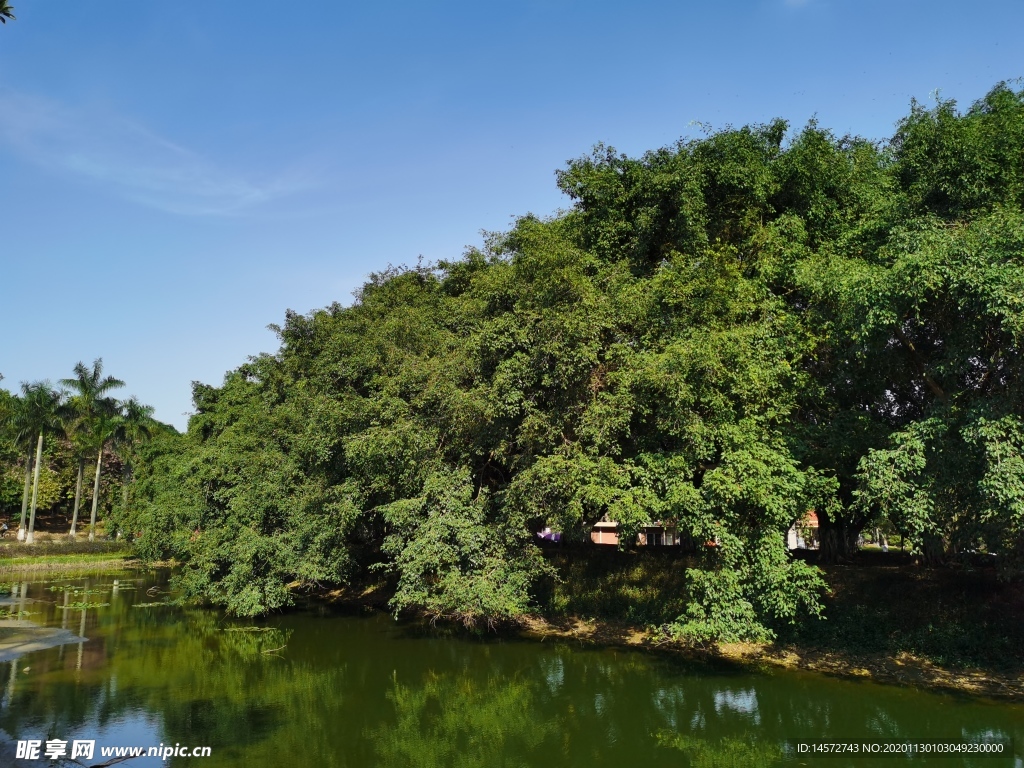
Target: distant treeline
column 64, row 446
column 720, row 335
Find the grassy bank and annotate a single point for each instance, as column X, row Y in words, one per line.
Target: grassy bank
column 645, row 587
column 956, row 617
column 62, row 554
column 877, row 603
column 885, row 618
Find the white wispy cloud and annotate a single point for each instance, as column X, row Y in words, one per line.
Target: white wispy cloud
column 128, row 158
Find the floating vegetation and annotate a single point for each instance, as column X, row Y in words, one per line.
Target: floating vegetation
column 81, row 606
column 79, row 591
column 148, row 605
column 16, row 614
column 249, row 629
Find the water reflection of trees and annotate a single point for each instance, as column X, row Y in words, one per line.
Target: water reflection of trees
column 228, row 689
column 602, row 709
column 457, row 721
column 354, row 692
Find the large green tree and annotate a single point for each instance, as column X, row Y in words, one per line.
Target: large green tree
column 718, row 335
column 936, row 314
column 13, row 449
column 21, row 440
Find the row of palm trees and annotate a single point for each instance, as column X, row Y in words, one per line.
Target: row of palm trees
column 83, row 412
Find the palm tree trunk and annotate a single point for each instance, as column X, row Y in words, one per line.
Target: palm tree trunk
column 95, row 495
column 78, row 495
column 24, row 497
column 31, row 536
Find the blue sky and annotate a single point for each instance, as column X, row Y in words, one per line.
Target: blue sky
column 174, row 177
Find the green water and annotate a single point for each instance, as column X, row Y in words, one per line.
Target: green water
column 324, row 689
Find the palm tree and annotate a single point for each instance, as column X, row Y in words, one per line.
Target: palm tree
column 40, row 414
column 135, row 426
column 6, row 12
column 89, row 388
column 104, row 428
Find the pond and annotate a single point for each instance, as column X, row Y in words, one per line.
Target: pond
column 320, row 688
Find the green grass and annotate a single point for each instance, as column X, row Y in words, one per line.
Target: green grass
column 60, row 552
column 62, row 559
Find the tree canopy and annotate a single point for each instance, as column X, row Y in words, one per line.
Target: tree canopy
column 721, row 334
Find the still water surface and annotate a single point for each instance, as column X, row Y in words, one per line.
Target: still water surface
column 322, row 689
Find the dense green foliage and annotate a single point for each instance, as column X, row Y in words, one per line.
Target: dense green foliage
column 719, row 335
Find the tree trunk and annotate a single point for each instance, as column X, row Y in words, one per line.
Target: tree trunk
column 933, row 551
column 838, row 540
column 95, row 495
column 24, row 497
column 31, row 536
column 78, row 495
